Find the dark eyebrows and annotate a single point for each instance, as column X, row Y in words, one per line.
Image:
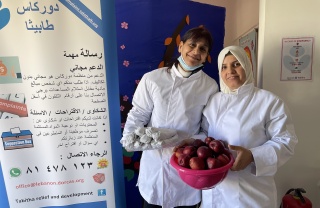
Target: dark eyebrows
column 232, row 63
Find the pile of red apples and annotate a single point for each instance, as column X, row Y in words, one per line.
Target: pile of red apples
column 202, row 155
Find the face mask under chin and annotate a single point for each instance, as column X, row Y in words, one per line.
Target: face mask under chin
column 187, row 67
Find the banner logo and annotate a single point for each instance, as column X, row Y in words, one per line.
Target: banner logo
column 4, row 16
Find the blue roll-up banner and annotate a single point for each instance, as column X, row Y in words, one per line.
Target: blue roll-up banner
column 59, row 105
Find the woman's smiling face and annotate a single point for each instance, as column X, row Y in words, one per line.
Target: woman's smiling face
column 232, row 73
column 194, row 52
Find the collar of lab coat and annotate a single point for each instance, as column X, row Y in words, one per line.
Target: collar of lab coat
column 242, row 91
column 175, row 73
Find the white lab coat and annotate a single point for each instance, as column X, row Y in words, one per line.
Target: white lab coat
column 257, row 120
column 167, row 100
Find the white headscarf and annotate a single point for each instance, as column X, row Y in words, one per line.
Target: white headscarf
column 245, row 62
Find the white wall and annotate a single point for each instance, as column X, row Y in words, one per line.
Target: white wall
column 241, row 17
column 294, row 18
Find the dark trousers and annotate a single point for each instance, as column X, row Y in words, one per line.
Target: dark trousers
column 147, row 205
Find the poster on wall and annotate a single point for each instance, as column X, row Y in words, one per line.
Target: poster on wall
column 55, row 147
column 296, row 59
column 249, row 43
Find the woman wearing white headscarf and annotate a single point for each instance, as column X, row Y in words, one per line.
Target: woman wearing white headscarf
column 257, row 126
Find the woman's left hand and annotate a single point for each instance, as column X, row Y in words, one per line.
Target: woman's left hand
column 243, row 159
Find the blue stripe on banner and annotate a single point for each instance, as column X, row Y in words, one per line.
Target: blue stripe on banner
column 102, row 204
column 87, row 16
column 4, row 203
column 111, row 55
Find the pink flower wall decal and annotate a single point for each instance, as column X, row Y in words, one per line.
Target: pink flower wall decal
column 125, row 98
column 122, row 47
column 124, row 25
column 126, row 63
column 122, row 108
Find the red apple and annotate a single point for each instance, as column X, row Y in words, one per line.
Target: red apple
column 183, row 160
column 224, row 159
column 197, row 163
column 179, row 151
column 213, row 163
column 208, row 140
column 224, row 143
column 198, row 143
column 216, row 146
column 189, row 150
column 204, row 152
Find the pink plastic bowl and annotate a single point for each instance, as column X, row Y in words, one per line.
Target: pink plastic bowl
column 202, row 179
